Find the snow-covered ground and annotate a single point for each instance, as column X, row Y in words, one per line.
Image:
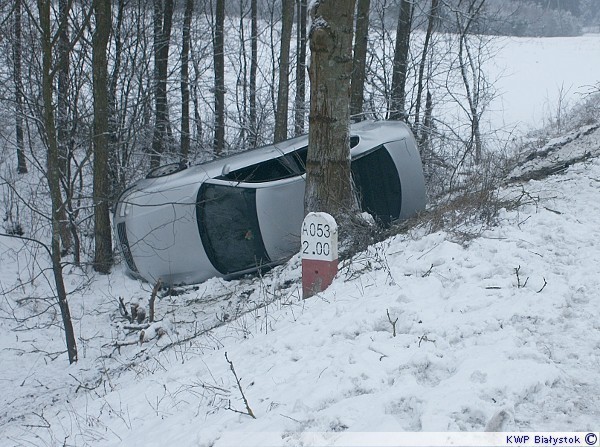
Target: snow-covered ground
column 504, row 325
column 500, row 331
column 537, row 79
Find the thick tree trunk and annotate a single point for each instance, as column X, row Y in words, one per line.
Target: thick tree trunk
column 360, row 59
column 300, row 101
column 328, row 183
column 17, row 57
column 185, row 83
column 103, row 257
column 53, row 176
column 400, row 68
column 281, row 115
column 219, row 68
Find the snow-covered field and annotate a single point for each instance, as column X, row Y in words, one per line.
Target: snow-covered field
column 497, row 332
column 538, row 78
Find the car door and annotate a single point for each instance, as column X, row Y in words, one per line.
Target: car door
column 244, row 226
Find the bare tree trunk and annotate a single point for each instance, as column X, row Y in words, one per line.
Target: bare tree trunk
column 398, row 93
column 360, row 59
column 185, row 83
column 219, row 68
column 196, row 101
column 62, row 122
column 17, row 57
column 433, row 12
column 300, row 101
column 103, row 258
column 253, row 137
column 241, row 88
column 53, row 176
column 467, row 63
column 427, row 124
column 163, row 20
column 328, row 183
column 63, row 69
column 116, row 157
column 281, row 115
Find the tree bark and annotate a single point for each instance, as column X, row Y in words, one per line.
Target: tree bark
column 53, row 176
column 103, row 257
column 252, row 131
column 400, row 66
column 185, row 83
column 281, row 115
column 17, row 58
column 433, row 12
column 219, row 68
column 63, row 69
column 300, row 101
column 67, row 228
column 360, row 59
column 163, row 20
column 118, row 152
column 328, row 182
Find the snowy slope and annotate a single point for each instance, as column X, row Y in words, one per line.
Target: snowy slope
column 501, row 332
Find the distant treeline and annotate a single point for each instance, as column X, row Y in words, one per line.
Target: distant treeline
column 539, row 18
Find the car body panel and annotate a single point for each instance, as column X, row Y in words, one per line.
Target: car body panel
column 238, row 213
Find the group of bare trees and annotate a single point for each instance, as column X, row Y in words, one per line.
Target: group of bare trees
column 97, row 92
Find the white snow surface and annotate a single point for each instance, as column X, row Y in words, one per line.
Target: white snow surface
column 501, row 332
column 537, row 79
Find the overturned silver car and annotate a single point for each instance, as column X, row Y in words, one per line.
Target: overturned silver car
column 239, row 213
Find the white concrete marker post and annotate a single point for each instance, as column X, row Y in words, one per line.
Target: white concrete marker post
column 319, row 252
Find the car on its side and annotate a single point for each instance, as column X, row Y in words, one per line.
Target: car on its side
column 237, row 214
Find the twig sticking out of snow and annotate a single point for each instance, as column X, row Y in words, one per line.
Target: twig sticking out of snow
column 152, row 299
column 248, row 411
column 393, row 323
